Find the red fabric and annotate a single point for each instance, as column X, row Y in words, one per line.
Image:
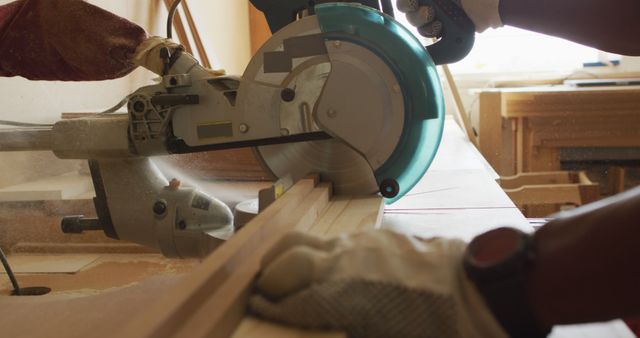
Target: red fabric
column 68, row 40
column 634, row 326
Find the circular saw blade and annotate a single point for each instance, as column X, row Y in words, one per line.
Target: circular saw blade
column 382, row 159
column 334, row 161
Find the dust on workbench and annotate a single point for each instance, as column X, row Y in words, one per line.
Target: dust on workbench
column 106, row 273
column 96, row 301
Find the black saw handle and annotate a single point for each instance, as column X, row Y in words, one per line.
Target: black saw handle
column 280, row 13
column 458, row 32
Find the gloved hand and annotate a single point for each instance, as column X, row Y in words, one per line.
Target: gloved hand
column 68, row 40
column 147, row 55
column 483, row 13
column 372, row 284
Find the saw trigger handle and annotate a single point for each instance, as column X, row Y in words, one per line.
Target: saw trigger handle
column 280, row 13
column 458, row 32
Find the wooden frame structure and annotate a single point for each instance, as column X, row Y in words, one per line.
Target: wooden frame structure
column 559, row 187
column 523, row 129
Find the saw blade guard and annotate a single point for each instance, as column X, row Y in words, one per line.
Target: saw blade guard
column 417, row 76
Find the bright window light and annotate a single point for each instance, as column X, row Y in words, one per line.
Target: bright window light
column 510, row 50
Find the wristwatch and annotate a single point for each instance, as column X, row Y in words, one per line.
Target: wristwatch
column 497, row 262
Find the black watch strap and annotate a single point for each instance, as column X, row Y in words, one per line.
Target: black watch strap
column 509, row 303
column 504, row 288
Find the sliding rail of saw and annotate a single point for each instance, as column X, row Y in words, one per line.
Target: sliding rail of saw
column 212, row 300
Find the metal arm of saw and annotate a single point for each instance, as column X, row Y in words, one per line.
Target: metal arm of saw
column 192, row 111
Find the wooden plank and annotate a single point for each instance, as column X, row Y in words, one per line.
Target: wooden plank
column 547, row 119
column 530, row 102
column 616, row 178
column 461, row 112
column 223, row 311
column 63, row 187
column 314, row 195
column 361, row 214
column 211, row 301
column 229, row 164
column 259, row 29
column 552, row 177
column 348, row 214
column 337, row 207
column 546, row 194
column 345, row 214
column 490, row 129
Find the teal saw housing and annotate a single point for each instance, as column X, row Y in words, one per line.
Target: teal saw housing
column 416, row 73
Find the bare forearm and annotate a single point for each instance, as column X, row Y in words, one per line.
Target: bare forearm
column 610, row 25
column 587, row 266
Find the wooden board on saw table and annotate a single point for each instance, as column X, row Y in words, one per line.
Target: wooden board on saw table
column 211, row 301
column 49, row 263
column 63, row 187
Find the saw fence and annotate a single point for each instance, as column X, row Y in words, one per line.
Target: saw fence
column 211, row 301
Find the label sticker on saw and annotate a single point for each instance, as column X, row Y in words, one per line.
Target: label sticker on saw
column 295, row 47
column 215, row 130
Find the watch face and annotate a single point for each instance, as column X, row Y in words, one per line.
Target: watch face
column 495, row 247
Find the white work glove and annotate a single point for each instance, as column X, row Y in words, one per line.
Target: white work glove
column 147, row 55
column 483, row 13
column 376, row 284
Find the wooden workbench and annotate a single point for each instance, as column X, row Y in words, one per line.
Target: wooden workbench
column 523, row 129
column 457, row 198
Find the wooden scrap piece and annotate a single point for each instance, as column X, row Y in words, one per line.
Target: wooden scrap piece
column 62, row 187
column 211, row 301
column 348, row 214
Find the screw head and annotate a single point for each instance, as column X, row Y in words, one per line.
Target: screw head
column 389, row 188
column 182, row 225
column 284, row 132
column 160, row 208
column 288, row 95
column 139, row 107
column 244, row 128
column 332, row 113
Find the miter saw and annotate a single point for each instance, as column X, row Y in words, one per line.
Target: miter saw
column 341, row 89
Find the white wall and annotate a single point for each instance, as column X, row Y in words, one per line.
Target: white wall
column 223, row 24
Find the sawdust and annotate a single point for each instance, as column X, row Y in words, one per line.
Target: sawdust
column 106, row 274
